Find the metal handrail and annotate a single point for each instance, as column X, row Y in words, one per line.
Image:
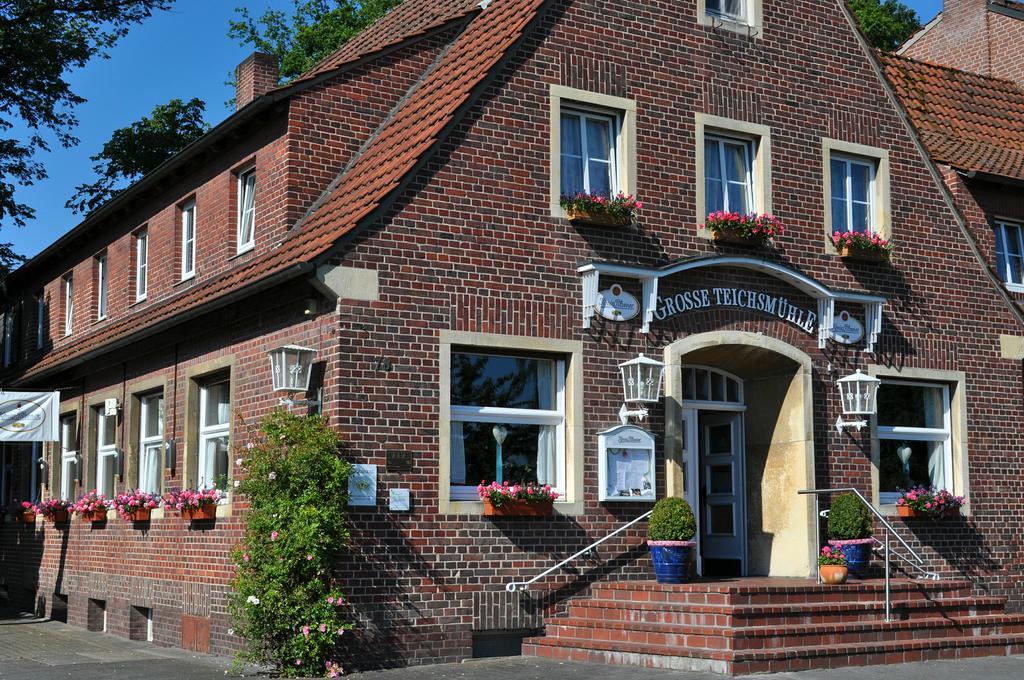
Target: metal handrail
column 513, row 586
column 930, row 575
column 889, row 531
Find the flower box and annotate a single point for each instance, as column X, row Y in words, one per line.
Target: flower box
column 94, row 516
column 199, row 513
column 599, row 219
column 910, row 513
column 736, row 237
column 862, row 255
column 141, row 515
column 745, row 230
column 58, row 516
column 519, row 508
column 27, row 517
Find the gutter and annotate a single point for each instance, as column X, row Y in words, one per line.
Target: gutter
column 257, row 286
column 989, row 177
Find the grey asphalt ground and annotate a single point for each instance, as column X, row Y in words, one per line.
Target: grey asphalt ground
column 36, row 649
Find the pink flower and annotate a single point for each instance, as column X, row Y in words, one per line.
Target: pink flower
column 273, row 535
column 245, row 557
column 309, row 557
column 305, row 631
column 330, row 600
column 323, row 627
column 298, row 662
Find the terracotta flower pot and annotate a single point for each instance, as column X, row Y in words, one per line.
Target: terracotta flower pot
column 95, row 516
column 848, row 253
column 833, row 574
column 141, row 515
column 518, row 509
column 736, row 237
column 28, row 517
column 58, row 516
column 207, row 511
column 599, row 219
column 908, row 512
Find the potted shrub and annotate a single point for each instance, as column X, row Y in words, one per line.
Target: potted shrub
column 136, row 506
column 56, row 510
column 597, row 209
column 516, row 500
column 92, row 507
column 670, row 534
column 855, row 245
column 928, row 503
column 740, row 229
column 849, row 529
column 832, row 566
column 195, row 504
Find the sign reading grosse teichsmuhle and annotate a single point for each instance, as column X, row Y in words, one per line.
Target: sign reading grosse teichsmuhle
column 743, row 298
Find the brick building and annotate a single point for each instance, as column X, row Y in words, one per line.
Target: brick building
column 397, row 209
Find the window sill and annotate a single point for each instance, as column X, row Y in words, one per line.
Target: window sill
column 186, row 281
column 716, row 22
column 1014, row 287
column 244, row 251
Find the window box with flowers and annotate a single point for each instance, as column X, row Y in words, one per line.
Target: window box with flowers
column 739, row 229
column 56, row 510
column 24, row 512
column 136, row 506
column 600, row 210
column 195, row 504
column 517, row 500
column 863, row 246
column 928, row 503
column 92, row 507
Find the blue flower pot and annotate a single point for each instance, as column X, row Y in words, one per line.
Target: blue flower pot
column 858, row 556
column 672, row 562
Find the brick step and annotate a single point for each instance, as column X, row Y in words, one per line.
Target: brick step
column 771, row 637
column 772, row 615
column 774, row 660
column 800, row 591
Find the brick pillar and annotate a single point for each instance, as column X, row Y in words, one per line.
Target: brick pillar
column 254, row 77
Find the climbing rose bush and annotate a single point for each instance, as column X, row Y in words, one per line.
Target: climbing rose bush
column 285, row 602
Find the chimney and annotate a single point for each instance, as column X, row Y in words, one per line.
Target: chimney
column 254, row 77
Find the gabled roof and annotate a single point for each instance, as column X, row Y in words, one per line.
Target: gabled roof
column 404, row 141
column 968, row 121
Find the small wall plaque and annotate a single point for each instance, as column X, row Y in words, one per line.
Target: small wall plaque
column 362, row 485
column 399, row 461
column 400, row 500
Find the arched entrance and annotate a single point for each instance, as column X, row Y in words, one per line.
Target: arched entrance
column 739, row 446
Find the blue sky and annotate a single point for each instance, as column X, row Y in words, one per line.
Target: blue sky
column 182, row 53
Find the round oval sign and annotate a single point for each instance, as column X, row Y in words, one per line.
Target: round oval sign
column 21, row 416
column 615, row 304
column 846, row 329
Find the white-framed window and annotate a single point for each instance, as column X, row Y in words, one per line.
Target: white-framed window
column 728, row 174
column 40, row 319
column 68, row 455
column 914, row 415
column 589, row 153
column 151, row 441
column 106, row 451
column 69, row 304
column 188, row 240
column 9, row 336
column 518, row 397
column 1010, row 252
column 101, row 286
column 735, row 10
column 246, row 218
column 141, row 264
column 853, row 194
column 36, row 477
column 214, row 434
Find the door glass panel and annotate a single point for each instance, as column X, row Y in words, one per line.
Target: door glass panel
column 717, row 387
column 720, row 479
column 702, row 380
column 720, row 519
column 720, row 439
column 732, row 390
column 688, row 388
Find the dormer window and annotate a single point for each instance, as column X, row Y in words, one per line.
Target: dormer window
column 246, row 210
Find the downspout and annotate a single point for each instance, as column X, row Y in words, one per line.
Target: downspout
column 932, row 169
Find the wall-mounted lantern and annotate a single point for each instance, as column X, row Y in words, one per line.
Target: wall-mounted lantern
column 291, row 367
column 641, row 384
column 858, row 395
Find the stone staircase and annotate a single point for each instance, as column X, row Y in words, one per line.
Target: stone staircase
column 766, row 625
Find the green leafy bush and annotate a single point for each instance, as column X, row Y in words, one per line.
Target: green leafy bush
column 672, row 520
column 285, row 603
column 848, row 518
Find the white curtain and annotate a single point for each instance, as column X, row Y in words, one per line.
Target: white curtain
column 458, row 461
column 149, row 470
column 547, row 467
column 937, row 465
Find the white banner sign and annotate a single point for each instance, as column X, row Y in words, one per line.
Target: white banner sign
column 29, row 416
column 774, row 305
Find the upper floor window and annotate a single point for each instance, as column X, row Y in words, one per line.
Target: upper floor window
column 69, row 303
column 914, row 415
column 106, row 451
column 246, row 209
column 188, row 240
column 10, row 335
column 853, row 194
column 141, row 264
column 517, row 399
column 41, row 314
column 214, row 433
column 68, row 455
column 1010, row 253
column 728, row 9
column 728, row 175
column 151, row 441
column 588, row 152
column 101, row 286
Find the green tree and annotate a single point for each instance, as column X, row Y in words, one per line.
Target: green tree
column 315, row 29
column 133, row 151
column 886, row 24
column 40, row 42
